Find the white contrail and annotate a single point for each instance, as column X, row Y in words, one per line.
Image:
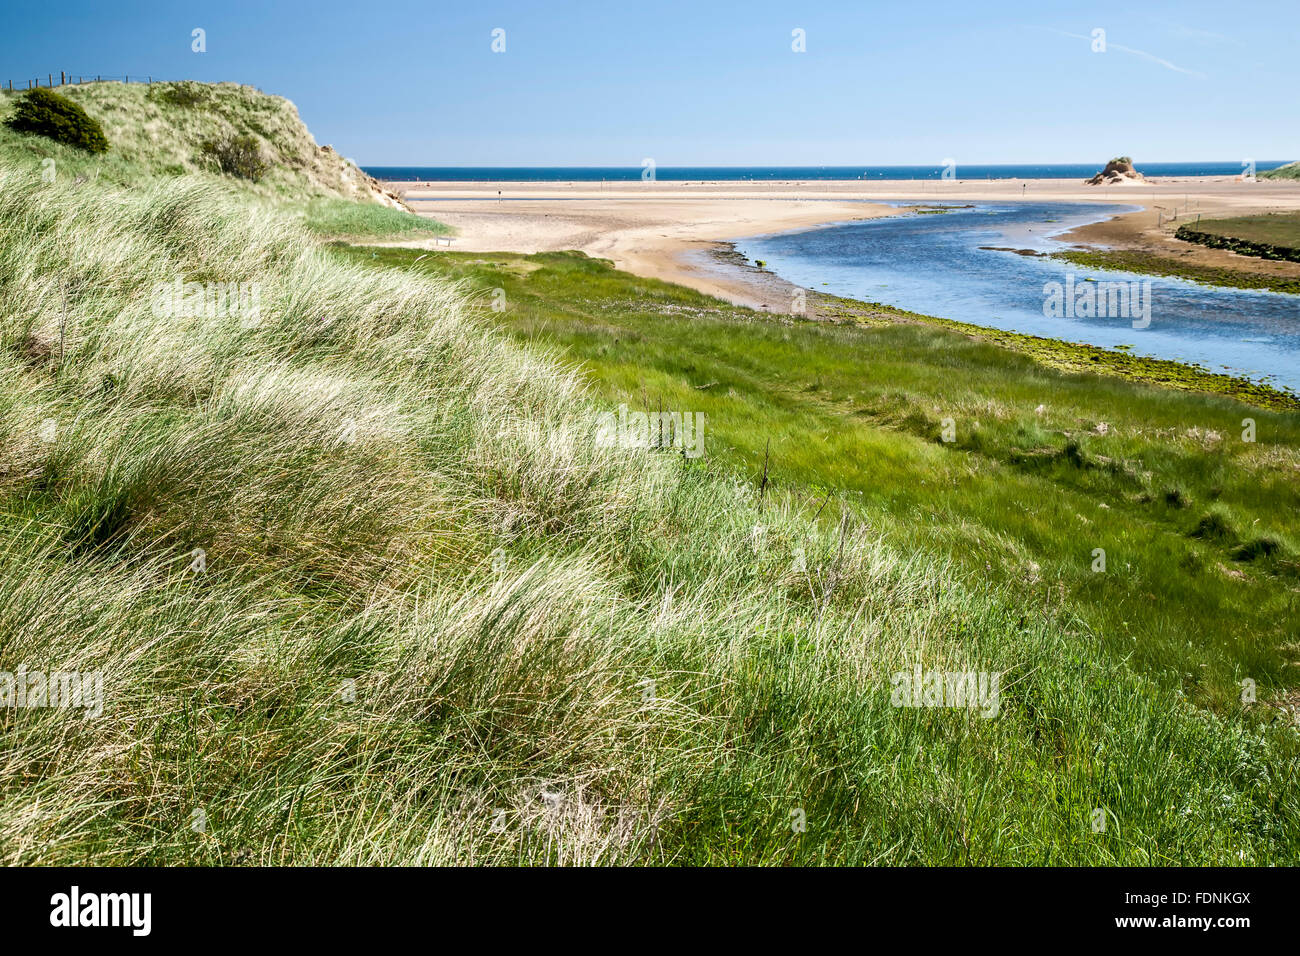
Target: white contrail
column 1128, row 49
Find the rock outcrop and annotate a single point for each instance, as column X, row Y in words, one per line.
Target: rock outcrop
column 1118, row 172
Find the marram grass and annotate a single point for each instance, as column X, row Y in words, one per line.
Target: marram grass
column 434, row 622
column 1198, row 587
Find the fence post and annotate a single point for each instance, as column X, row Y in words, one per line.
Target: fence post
column 60, row 77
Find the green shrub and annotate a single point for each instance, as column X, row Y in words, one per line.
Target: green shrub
column 45, row 113
column 238, row 155
column 186, row 93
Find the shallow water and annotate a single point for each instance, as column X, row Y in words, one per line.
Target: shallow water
column 933, row 264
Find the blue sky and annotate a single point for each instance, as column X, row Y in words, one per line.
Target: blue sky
column 717, row 83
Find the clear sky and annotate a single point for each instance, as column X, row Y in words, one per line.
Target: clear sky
column 715, row 82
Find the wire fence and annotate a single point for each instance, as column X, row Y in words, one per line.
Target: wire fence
column 64, row 78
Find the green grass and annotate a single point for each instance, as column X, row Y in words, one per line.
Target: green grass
column 1271, row 236
column 1279, row 228
column 343, row 219
column 1149, row 263
column 1022, row 497
column 1288, row 171
column 1073, row 357
column 438, row 624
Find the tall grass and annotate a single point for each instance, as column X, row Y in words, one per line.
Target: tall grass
column 435, row 622
column 1045, row 465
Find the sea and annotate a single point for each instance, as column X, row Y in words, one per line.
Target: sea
column 553, row 174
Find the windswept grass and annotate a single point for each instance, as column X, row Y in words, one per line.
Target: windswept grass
column 435, row 622
column 1044, row 466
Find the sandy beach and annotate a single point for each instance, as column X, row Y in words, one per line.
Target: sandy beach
column 659, row 229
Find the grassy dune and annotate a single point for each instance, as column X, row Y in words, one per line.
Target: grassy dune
column 364, row 588
column 157, row 132
column 1288, row 171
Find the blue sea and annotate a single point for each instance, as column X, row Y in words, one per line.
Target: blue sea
column 552, row 174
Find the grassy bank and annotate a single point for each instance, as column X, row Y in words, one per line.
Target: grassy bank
column 1149, row 263
column 340, row 218
column 1272, row 236
column 1073, row 356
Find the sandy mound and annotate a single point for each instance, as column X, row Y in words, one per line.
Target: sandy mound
column 1118, row 172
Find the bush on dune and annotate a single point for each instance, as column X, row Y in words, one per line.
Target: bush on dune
column 186, row 94
column 238, row 155
column 46, row 113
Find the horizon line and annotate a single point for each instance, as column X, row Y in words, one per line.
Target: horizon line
column 1163, row 162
